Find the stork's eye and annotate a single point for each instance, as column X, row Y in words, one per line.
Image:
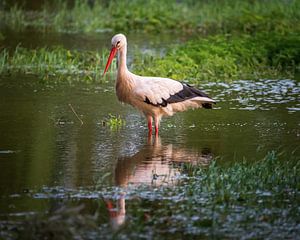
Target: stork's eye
column 118, row 42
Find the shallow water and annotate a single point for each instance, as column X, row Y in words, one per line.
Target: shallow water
column 44, row 144
column 48, row 159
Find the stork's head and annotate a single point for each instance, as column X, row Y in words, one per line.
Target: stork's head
column 117, row 42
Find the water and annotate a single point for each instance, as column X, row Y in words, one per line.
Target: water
column 44, row 144
column 91, row 41
column 48, row 159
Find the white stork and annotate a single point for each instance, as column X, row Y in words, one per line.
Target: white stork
column 154, row 96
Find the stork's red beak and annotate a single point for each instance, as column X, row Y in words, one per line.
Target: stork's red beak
column 110, row 58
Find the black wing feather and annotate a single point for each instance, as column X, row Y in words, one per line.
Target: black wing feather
column 186, row 93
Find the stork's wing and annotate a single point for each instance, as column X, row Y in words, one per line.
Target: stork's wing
column 162, row 91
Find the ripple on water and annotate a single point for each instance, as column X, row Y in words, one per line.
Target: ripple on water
column 7, row 151
column 262, row 95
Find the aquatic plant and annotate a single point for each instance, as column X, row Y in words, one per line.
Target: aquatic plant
column 156, row 16
column 225, row 58
column 114, row 122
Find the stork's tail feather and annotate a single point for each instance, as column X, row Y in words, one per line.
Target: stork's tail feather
column 207, row 105
column 207, row 102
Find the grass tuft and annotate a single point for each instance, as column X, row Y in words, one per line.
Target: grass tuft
column 114, row 122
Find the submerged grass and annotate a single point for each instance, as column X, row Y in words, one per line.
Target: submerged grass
column 156, row 16
column 54, row 62
column 227, row 57
column 249, row 200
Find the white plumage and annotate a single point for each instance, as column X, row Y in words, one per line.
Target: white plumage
column 154, row 96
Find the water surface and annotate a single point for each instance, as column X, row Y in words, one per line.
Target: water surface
column 44, row 144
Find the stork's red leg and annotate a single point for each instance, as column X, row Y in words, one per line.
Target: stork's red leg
column 149, row 119
column 157, row 120
column 156, row 129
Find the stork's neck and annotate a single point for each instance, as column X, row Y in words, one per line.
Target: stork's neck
column 122, row 66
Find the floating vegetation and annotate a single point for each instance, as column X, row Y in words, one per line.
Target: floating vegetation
column 227, row 58
column 258, row 200
column 156, row 16
column 114, row 121
column 56, row 62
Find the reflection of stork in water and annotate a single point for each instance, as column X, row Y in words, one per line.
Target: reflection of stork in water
column 155, row 164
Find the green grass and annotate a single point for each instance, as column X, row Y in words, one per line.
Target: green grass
column 55, row 62
column 226, row 58
column 215, row 58
column 157, row 16
column 259, row 199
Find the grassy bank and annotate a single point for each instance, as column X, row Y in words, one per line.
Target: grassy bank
column 215, row 58
column 156, row 16
column 54, row 62
column 255, row 200
column 226, row 58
